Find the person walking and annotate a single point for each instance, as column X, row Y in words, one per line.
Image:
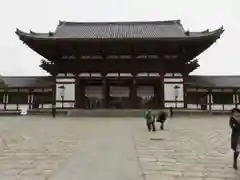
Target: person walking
column 150, row 120
column 162, row 116
column 234, row 123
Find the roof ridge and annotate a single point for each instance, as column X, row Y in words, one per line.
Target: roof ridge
column 178, row 21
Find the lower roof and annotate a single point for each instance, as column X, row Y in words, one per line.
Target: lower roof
column 25, row 82
column 192, row 81
column 213, row 81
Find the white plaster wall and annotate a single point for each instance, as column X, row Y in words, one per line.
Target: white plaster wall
column 65, row 105
column 94, row 91
column 169, row 92
column 229, row 106
column 193, row 106
column 144, row 91
column 220, row 106
column 179, row 80
column 1, row 106
column 47, row 106
column 69, row 92
column 11, row 107
column 179, row 105
column 119, row 91
column 70, row 80
column 63, row 75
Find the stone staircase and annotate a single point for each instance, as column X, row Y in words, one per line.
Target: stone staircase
column 112, row 112
column 136, row 112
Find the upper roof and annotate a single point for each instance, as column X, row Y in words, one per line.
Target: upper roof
column 120, row 30
column 25, row 82
column 192, row 81
column 213, row 81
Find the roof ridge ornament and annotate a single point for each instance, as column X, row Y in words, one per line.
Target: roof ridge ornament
column 187, row 33
column 60, row 23
column 50, row 34
column 178, row 21
column 205, row 31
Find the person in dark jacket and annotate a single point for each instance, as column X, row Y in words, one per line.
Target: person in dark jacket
column 162, row 116
column 234, row 123
column 150, row 120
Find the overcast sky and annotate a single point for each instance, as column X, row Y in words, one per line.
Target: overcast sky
column 44, row 15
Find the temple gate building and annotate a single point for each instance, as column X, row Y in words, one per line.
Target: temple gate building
column 121, row 65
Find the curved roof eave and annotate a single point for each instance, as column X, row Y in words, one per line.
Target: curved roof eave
column 192, row 36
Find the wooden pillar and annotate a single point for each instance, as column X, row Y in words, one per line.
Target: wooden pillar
column 184, row 92
column 161, row 88
column 5, row 100
column 79, row 92
column 54, row 92
column 105, row 86
column 235, row 98
column 18, row 91
column 210, row 99
column 133, row 92
column 29, row 99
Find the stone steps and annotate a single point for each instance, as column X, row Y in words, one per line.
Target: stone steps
column 112, row 112
column 136, row 113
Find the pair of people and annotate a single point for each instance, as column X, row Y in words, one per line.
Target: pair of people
column 150, row 120
column 234, row 123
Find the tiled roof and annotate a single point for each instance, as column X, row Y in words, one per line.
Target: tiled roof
column 213, row 81
column 25, row 82
column 120, row 30
column 193, row 81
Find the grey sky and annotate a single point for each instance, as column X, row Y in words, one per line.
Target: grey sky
column 44, row 15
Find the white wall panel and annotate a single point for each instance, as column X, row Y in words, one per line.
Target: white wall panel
column 144, row 91
column 47, row 106
column 69, row 94
column 59, row 80
column 173, row 80
column 169, row 92
column 94, row 91
column 65, row 105
column 217, row 107
column 11, row 107
column 229, row 106
column 119, row 91
column 1, row 106
column 168, row 75
column 193, row 106
column 172, row 104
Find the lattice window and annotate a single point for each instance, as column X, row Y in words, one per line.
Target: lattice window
column 222, row 98
column 43, row 98
column 1, row 97
column 196, row 97
column 17, row 98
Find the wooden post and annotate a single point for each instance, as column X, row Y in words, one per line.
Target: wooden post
column 184, row 91
column 235, row 99
column 133, row 92
column 29, row 99
column 54, row 95
column 105, row 87
column 210, row 99
column 79, row 92
column 18, row 91
column 76, row 104
column 5, row 100
column 161, row 89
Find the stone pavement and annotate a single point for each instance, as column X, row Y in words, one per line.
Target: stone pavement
column 42, row 148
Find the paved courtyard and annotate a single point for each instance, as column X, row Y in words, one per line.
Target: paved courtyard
column 42, row 148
